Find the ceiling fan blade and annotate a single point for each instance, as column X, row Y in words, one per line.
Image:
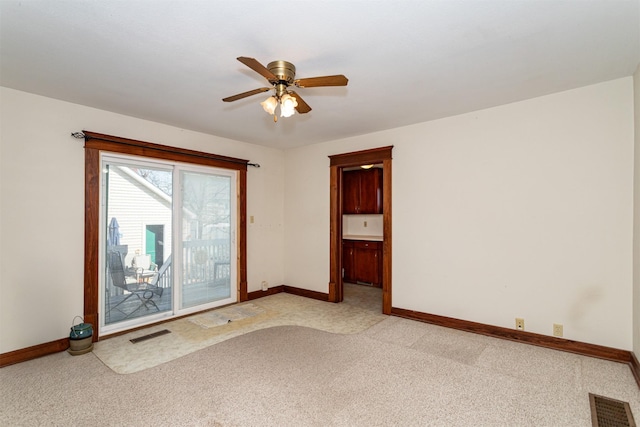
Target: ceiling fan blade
column 258, row 68
column 245, row 94
column 337, row 80
column 302, row 107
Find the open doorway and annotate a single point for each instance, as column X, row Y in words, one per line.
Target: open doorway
column 338, row 164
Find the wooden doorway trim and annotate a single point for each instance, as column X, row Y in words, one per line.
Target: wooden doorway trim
column 337, row 164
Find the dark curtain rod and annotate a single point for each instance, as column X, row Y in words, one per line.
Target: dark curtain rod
column 81, row 135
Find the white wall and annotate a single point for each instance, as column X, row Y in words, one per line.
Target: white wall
column 307, row 213
column 524, row 210
column 42, row 209
column 354, row 225
column 636, row 236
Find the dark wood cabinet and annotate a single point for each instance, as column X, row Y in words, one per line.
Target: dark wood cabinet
column 362, row 262
column 350, row 192
column 362, row 191
column 348, row 271
column 371, row 191
column 367, row 262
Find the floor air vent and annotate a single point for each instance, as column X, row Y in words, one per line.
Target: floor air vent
column 148, row 337
column 606, row 412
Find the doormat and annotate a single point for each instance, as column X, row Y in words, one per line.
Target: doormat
column 223, row 316
column 606, row 412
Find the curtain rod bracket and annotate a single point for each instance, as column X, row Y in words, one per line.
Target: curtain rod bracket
column 255, row 165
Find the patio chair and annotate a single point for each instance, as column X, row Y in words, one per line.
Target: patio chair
column 143, row 267
column 135, row 287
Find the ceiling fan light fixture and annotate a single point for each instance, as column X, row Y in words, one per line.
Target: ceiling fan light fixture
column 269, row 105
column 287, row 105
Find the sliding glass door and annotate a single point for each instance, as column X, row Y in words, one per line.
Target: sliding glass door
column 169, row 240
column 207, row 238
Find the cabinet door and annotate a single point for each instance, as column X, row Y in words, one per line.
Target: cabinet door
column 348, row 272
column 370, row 191
column 350, row 192
column 367, row 262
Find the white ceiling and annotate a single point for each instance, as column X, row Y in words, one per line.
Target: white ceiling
column 407, row 61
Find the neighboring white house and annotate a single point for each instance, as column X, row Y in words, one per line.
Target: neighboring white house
column 144, row 216
column 143, row 212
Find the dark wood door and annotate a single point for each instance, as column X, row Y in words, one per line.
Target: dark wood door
column 350, row 192
column 367, row 262
column 348, row 261
column 370, row 191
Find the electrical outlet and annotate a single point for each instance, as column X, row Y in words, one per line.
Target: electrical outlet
column 557, row 330
column 519, row 324
column 265, row 285
column 365, row 223
column 251, row 219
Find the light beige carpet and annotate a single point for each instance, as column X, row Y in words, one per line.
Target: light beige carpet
column 396, row 373
column 202, row 330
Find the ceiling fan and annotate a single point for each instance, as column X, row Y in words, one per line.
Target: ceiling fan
column 281, row 75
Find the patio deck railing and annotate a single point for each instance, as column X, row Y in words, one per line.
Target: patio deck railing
column 206, row 261
column 203, row 261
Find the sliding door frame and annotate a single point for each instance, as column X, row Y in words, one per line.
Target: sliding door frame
column 96, row 143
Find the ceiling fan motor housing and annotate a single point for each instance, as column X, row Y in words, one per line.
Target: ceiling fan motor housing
column 283, row 70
